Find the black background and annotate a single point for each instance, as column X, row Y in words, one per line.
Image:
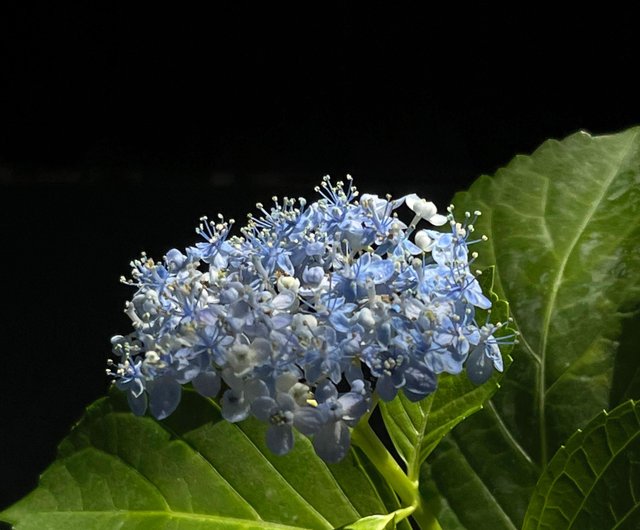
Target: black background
column 118, row 129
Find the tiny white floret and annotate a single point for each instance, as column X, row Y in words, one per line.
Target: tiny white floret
column 425, row 210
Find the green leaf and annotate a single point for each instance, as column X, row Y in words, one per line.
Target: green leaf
column 417, row 428
column 593, row 482
column 381, row 522
column 193, row 470
column 564, row 235
column 476, row 478
column 373, row 522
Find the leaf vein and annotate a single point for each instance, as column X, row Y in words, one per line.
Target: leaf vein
column 546, row 320
column 593, row 482
column 501, row 513
column 509, row 436
column 127, row 465
column 177, row 436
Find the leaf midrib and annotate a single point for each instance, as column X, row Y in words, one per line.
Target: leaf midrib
column 267, row 462
column 310, row 507
column 178, row 437
column 414, row 465
column 329, row 474
column 171, row 515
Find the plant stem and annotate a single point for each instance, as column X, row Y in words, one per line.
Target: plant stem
column 364, row 437
column 426, row 520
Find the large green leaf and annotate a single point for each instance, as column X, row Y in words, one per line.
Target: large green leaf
column 416, row 428
column 564, row 235
column 592, row 483
column 193, row 470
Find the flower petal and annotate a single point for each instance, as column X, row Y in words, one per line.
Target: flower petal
column 386, row 389
column 437, row 220
column 354, row 406
column 411, row 199
column 284, row 300
column 308, row 420
column 326, row 391
column 137, row 404
column 479, row 366
column 280, row 439
column 207, row 384
column 234, row 407
column 332, row 442
column 164, row 396
column 285, row 401
column 263, row 407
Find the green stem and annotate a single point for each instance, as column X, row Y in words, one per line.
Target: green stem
column 426, row 520
column 364, row 437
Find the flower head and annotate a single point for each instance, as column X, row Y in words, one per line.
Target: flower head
column 308, row 299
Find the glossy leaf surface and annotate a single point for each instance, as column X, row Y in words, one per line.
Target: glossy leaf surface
column 592, row 482
column 564, row 235
column 193, row 470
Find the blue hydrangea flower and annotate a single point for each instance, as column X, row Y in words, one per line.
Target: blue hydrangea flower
column 307, row 299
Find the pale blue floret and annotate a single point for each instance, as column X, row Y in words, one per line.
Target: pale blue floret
column 237, row 399
column 338, row 413
column 308, row 299
column 485, row 357
column 389, row 366
column 279, row 413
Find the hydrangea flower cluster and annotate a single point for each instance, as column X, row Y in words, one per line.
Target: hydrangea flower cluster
column 306, row 313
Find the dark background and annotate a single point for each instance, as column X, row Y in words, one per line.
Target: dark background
column 118, row 129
